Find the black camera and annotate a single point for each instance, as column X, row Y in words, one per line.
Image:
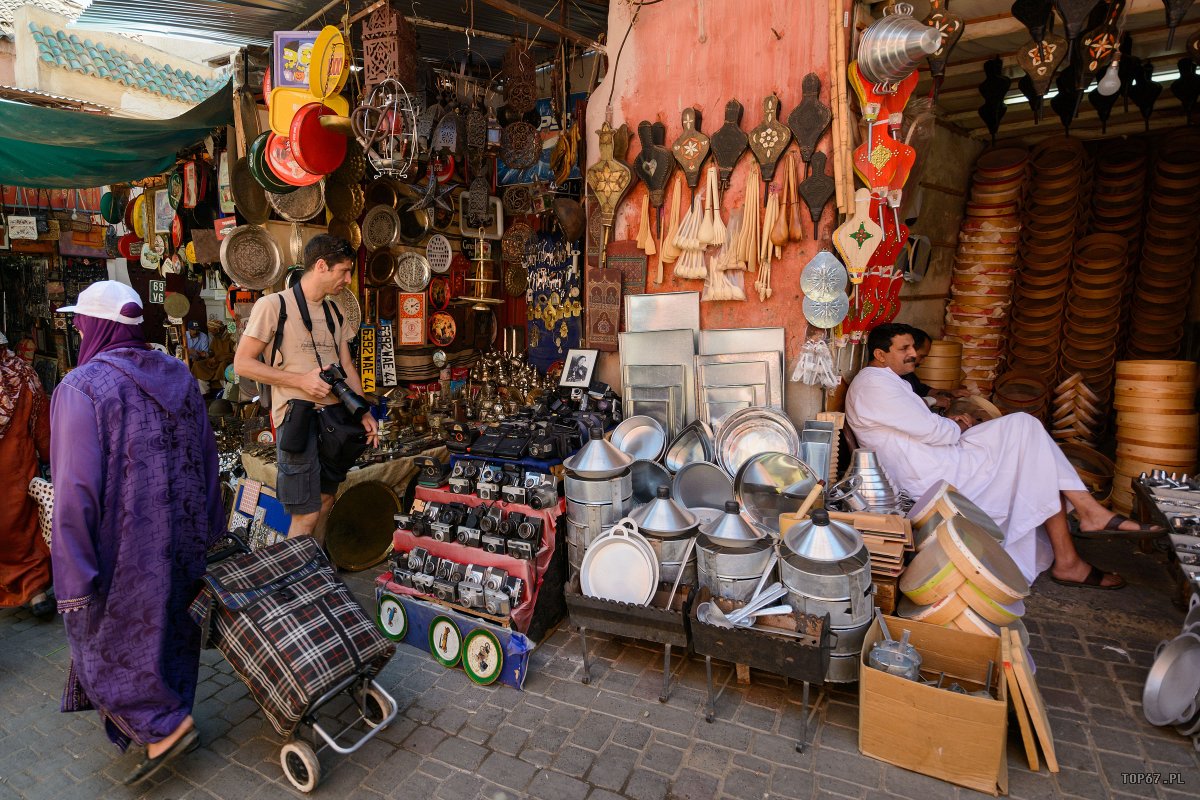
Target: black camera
column 530, row 528
column 453, row 514
column 508, row 527
column 354, row 402
column 459, row 436
column 466, row 535
column 489, row 521
column 433, row 472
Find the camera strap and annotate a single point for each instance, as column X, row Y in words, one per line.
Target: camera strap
column 306, row 318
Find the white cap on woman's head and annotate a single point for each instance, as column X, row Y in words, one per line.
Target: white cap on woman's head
column 111, row 300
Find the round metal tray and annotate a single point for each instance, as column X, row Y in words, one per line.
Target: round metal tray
column 641, row 437
column 770, row 484
column 1169, row 697
column 751, row 431
column 702, row 485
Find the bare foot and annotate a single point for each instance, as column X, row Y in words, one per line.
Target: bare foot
column 155, row 749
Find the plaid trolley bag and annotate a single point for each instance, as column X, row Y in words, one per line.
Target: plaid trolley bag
column 296, row 637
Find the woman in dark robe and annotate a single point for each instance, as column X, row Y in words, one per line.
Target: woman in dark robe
column 137, row 505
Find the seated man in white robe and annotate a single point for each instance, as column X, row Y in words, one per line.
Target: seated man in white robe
column 1009, row 467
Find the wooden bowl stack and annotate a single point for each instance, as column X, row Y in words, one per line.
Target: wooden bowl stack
column 942, row 368
column 985, row 265
column 1050, row 217
column 1094, row 300
column 1162, row 288
column 1022, row 390
column 1157, row 424
column 1077, row 416
column 1119, row 198
column 1095, row 469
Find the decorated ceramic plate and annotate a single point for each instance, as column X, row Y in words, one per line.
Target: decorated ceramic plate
column 445, row 641
column 483, row 658
column 442, row 329
column 392, row 619
column 439, row 293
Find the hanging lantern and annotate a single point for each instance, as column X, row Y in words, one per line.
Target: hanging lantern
column 389, row 48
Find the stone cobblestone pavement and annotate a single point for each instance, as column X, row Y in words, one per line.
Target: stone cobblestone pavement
column 562, row 740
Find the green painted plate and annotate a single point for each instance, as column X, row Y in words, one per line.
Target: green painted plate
column 392, row 618
column 482, row 657
column 445, row 641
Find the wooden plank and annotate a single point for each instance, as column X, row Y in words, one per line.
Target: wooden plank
column 1014, row 693
column 1033, row 698
column 543, row 22
column 743, row 673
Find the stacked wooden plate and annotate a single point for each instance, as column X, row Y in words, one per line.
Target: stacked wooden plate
column 1157, row 424
column 964, row 579
column 1077, row 415
column 1162, row 288
column 1022, row 390
column 1093, row 313
column 1119, row 195
column 1050, row 217
column 985, row 264
column 1095, row 469
column 942, row 368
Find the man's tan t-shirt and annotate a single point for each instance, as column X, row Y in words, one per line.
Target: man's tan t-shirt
column 296, row 350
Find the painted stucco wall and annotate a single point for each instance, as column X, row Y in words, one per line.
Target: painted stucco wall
column 32, row 73
column 701, row 54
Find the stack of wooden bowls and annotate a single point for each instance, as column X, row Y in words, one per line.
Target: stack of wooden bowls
column 1157, row 424
column 1162, row 289
column 962, row 577
column 1050, row 217
column 1119, row 196
column 1022, row 390
column 1095, row 469
column 1094, row 300
column 985, row 265
column 1077, row 415
column 942, row 368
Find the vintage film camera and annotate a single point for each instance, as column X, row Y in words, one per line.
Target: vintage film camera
column 463, row 476
column 489, row 518
column 468, row 532
column 491, row 477
column 459, row 436
column 541, row 490
column 513, row 487
column 432, row 473
column 470, row 588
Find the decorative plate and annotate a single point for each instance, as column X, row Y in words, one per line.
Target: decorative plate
column 347, row 301
column 516, row 279
column 515, row 241
column 251, row 257
column 300, row 205
column 445, row 641
column 283, row 163
column 175, row 188
column 518, row 200
column 824, row 277
column 483, row 658
column 520, row 146
column 442, row 329
column 392, row 619
column 826, row 313
column 413, row 272
column 381, row 227
column 381, row 268
column 439, row 293
column 439, row 252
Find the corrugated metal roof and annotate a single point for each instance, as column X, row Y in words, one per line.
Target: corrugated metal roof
column 244, row 22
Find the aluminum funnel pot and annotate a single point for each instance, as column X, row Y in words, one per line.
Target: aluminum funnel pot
column 598, row 458
column 729, row 529
column 892, row 47
column 821, row 539
column 663, row 518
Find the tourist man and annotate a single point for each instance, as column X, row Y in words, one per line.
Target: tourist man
column 298, row 342
column 1009, row 467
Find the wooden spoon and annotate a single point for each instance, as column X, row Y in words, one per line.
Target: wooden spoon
column 795, row 229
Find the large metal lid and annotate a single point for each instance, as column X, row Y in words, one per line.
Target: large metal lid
column 663, row 516
column 598, row 458
column 770, row 484
column 750, row 431
column 730, row 529
column 819, row 538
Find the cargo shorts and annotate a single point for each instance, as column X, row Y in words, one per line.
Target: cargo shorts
column 302, row 479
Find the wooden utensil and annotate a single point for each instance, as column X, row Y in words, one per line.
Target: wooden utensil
column 669, row 252
column 691, row 147
column 811, row 118
column 729, row 142
column 795, row 229
column 769, row 139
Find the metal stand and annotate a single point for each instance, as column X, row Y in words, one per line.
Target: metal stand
column 663, row 696
column 711, row 710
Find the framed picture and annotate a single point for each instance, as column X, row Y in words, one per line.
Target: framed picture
column 578, row 368
column 292, row 58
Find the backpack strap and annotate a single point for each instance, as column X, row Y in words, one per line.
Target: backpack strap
column 278, row 329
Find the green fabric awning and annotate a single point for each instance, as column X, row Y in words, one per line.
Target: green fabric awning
column 49, row 148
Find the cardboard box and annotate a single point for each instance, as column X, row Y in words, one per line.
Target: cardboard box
column 956, row 737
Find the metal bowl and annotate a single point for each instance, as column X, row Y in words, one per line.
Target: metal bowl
column 748, row 432
column 702, row 485
column 641, row 437
column 647, row 476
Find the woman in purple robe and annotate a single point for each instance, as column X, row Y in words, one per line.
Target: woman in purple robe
column 137, row 504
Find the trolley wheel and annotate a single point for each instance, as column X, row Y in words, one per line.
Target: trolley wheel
column 376, row 707
column 300, row 765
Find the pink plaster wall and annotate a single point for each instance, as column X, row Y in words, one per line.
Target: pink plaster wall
column 702, row 53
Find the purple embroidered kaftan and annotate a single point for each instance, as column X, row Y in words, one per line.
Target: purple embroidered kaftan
column 137, row 504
